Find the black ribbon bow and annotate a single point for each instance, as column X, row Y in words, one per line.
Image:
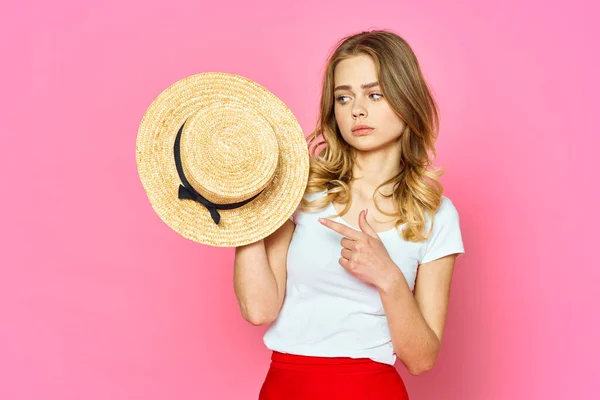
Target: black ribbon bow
column 186, row 191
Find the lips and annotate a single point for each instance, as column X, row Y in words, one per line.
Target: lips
column 360, row 126
column 361, row 131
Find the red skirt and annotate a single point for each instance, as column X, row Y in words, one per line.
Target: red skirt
column 292, row 377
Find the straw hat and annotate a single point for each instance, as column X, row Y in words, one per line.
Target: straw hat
column 223, row 161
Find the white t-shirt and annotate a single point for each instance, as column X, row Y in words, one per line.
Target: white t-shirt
column 327, row 311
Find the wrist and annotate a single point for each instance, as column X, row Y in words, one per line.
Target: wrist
column 391, row 280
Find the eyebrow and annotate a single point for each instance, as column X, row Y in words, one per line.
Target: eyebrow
column 365, row 86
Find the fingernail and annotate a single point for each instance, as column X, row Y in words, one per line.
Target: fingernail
column 366, row 211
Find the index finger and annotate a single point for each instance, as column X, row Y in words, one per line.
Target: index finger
column 341, row 228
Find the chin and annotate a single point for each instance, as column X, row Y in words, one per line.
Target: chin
column 365, row 147
column 370, row 144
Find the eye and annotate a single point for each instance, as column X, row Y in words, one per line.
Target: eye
column 377, row 94
column 339, row 99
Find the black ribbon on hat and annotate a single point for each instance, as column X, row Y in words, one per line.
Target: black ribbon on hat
column 186, row 191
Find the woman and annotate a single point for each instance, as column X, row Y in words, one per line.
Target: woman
column 342, row 294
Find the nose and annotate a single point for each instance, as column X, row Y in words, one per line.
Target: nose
column 358, row 109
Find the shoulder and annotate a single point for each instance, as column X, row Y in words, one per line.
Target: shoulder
column 447, row 208
column 296, row 216
column 447, row 212
column 315, row 195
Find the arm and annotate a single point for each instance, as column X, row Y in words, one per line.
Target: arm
column 260, row 275
column 417, row 322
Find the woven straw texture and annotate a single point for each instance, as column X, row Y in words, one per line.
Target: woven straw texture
column 238, row 139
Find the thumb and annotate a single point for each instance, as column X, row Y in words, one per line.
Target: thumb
column 364, row 225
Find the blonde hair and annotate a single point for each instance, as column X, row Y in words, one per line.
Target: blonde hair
column 416, row 190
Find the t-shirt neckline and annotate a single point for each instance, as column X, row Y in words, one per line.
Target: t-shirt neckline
column 342, row 220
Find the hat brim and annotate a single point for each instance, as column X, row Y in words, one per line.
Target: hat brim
column 156, row 166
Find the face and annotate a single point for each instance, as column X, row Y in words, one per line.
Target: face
column 359, row 103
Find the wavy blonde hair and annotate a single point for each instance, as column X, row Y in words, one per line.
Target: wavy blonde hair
column 416, row 189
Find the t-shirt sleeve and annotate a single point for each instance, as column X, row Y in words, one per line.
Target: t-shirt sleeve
column 446, row 237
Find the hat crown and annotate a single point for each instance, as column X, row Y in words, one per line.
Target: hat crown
column 229, row 152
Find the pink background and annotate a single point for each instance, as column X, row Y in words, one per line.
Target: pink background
column 100, row 300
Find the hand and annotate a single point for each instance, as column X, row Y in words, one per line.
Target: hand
column 363, row 252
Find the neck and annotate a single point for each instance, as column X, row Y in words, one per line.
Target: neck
column 372, row 168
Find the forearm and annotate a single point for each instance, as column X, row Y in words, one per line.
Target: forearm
column 254, row 283
column 415, row 343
